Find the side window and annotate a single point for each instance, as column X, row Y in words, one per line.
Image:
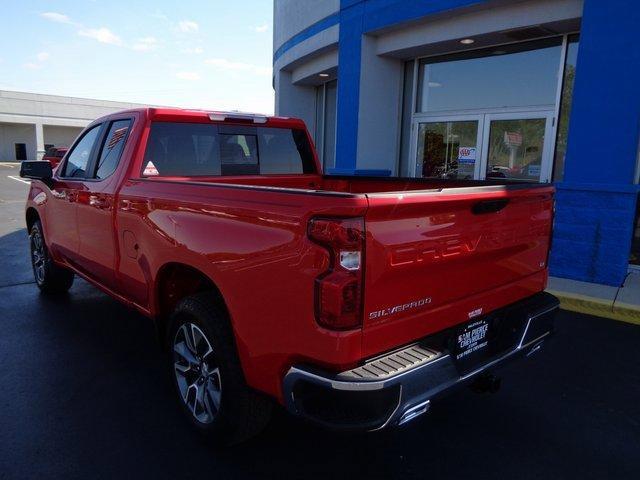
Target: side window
column 77, row 161
column 112, row 148
column 281, row 150
column 182, row 149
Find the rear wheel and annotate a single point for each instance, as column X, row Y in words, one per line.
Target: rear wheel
column 207, row 376
column 49, row 277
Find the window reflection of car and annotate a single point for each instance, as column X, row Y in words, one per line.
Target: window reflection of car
column 532, row 165
column 531, row 170
column 498, row 171
column 54, row 155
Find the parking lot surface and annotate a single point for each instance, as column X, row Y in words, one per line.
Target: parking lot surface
column 83, row 394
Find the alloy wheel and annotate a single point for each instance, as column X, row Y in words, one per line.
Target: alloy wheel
column 38, row 256
column 197, row 373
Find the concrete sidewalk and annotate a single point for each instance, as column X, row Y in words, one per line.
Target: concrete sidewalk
column 600, row 300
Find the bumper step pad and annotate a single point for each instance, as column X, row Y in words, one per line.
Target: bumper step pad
column 391, row 364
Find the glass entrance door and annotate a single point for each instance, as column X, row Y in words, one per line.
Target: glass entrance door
column 448, row 148
column 518, row 147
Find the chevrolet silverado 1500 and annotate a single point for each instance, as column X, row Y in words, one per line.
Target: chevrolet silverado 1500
column 352, row 301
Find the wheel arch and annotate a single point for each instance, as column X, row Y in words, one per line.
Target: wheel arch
column 31, row 216
column 175, row 281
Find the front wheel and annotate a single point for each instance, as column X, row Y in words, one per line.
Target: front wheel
column 49, row 277
column 205, row 370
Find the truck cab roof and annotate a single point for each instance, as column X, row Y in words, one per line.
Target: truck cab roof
column 168, row 114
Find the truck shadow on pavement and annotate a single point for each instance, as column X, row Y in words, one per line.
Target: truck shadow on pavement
column 85, row 394
column 14, row 252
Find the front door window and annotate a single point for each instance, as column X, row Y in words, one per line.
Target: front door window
column 447, row 149
column 515, row 149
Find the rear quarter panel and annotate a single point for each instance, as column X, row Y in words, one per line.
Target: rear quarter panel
column 252, row 244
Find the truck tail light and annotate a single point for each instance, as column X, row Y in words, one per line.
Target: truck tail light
column 338, row 292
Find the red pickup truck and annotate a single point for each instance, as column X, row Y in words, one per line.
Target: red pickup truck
column 352, row 301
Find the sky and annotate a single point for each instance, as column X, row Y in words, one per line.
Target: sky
column 214, row 54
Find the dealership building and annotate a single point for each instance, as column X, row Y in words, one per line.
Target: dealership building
column 30, row 123
column 536, row 90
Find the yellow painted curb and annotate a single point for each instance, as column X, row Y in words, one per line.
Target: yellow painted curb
column 600, row 308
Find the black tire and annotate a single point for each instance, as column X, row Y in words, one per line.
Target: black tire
column 241, row 412
column 50, row 278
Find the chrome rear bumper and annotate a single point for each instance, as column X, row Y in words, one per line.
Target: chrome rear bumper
column 399, row 386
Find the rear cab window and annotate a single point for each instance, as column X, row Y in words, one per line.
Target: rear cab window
column 198, row 149
column 112, row 146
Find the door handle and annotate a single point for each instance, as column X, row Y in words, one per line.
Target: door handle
column 98, row 201
column 489, row 206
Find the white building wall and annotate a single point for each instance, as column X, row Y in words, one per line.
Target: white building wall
column 36, row 120
column 60, row 136
column 295, row 72
column 10, row 134
column 295, row 100
column 293, row 16
column 430, row 35
column 56, row 106
column 381, row 80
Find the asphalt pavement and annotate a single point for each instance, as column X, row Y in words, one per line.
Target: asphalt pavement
column 83, row 394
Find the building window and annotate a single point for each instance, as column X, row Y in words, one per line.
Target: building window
column 519, row 75
column 565, row 107
column 325, row 133
column 493, row 112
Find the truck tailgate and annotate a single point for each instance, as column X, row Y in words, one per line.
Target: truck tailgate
column 437, row 258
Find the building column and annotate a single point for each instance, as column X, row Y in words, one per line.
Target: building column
column 596, row 202
column 349, row 60
column 39, row 141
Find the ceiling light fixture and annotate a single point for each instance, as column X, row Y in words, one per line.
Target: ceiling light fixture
column 467, row 41
column 323, row 75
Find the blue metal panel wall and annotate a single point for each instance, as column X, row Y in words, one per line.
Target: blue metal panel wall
column 596, row 202
column 357, row 17
column 592, row 236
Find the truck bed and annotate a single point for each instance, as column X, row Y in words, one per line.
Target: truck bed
column 353, row 185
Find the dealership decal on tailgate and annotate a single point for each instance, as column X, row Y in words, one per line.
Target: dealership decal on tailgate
column 472, row 338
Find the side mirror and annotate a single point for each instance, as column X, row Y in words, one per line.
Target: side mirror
column 37, row 170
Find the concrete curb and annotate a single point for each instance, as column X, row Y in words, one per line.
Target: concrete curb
column 574, row 302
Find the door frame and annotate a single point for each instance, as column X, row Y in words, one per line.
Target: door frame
column 546, row 164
